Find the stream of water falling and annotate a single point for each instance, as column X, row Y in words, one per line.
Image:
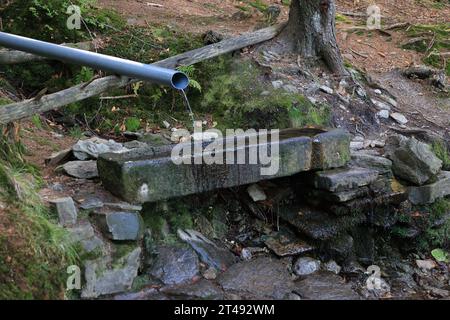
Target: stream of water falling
column 188, row 106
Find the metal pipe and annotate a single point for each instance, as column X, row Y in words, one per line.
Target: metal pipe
column 141, row 71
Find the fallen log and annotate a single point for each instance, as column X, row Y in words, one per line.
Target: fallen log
column 8, row 57
column 26, row 108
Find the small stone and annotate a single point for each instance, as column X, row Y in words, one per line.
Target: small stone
column 400, row 118
column 377, row 91
column 81, row 169
column 384, row 114
column 381, row 105
column 256, row 193
column 210, row 274
column 332, row 266
column 306, row 265
column 426, row 264
column 166, row 124
column 67, row 212
column 326, row 89
column 246, row 254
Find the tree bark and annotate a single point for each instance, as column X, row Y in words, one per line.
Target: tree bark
column 311, row 32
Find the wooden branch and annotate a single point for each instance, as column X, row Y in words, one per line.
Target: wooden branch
column 222, row 47
column 9, row 57
column 23, row 109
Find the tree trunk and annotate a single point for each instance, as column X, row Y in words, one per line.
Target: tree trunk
column 311, row 32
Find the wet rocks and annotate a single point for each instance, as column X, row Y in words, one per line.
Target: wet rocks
column 260, row 278
column 306, row 265
column 175, row 265
column 81, row 169
column 429, row 193
column 121, row 225
column 413, row 161
column 67, row 212
column 103, row 280
column 285, row 244
column 209, row 252
column 325, row 286
column 332, row 266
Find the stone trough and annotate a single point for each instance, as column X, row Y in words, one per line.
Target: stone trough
column 150, row 174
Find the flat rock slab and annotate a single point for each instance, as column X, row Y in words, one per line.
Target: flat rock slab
column 325, row 286
column 209, row 252
column 285, row 244
column 338, row 180
column 428, row 194
column 317, row 224
column 261, row 278
column 121, row 225
column 366, row 160
column 175, row 265
column 81, row 169
column 150, row 174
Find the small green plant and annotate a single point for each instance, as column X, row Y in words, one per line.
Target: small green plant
column 36, row 120
column 76, row 132
column 190, row 72
column 440, row 255
column 132, row 124
column 442, row 153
